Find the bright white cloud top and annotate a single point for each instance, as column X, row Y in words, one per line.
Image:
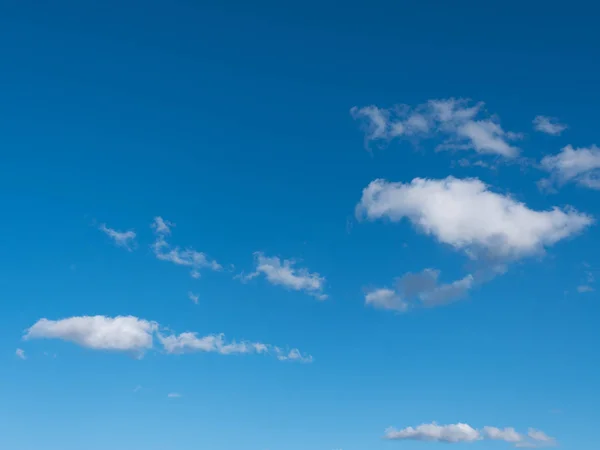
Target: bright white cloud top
column 131, row 334
column 461, row 125
column 467, row 215
column 462, row 432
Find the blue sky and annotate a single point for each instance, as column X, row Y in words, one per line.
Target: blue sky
column 317, row 226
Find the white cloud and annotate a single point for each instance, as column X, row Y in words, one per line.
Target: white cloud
column 504, row 434
column 419, row 289
column 161, row 226
column 20, row 353
column 184, row 257
column 460, row 124
column 467, row 215
column 216, row 343
column 193, row 297
column 121, row 333
column 548, row 125
column 462, row 432
column 174, row 395
column 283, row 273
column 573, row 165
column 125, row 239
column 585, row 288
column 291, row 355
column 129, row 333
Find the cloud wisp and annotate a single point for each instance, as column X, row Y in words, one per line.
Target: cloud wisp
column 572, row 165
column 284, row 273
column 137, row 336
column 188, row 257
column 462, row 432
column 460, row 124
column 124, row 239
column 548, row 125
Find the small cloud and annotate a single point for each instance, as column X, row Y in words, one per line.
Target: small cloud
column 585, row 288
column 548, row 125
column 174, row 395
column 572, row 165
column 125, row 239
column 20, row 353
column 193, row 297
column 188, row 257
column 284, row 273
column 137, row 388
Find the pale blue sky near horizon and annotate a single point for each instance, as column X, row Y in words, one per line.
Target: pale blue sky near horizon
column 232, row 120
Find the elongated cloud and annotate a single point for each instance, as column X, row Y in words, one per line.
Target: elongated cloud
column 467, row 215
column 459, row 123
column 131, row 334
column 462, row 432
column 125, row 239
column 419, row 290
column 548, row 125
column 573, row 165
column 187, row 257
column 284, row 273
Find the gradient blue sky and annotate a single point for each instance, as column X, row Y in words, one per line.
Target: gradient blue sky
column 233, row 121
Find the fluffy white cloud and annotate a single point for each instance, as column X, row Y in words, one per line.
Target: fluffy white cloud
column 577, row 165
column 125, row 239
column 462, row 432
column 548, row 125
column 124, row 333
column 283, row 273
column 460, row 124
column 184, row 257
column 129, row 333
column 419, row 289
column 20, row 353
column 465, row 214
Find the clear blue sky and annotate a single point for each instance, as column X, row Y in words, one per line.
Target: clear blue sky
column 251, row 129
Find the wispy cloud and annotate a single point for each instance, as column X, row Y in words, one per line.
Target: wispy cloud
column 462, row 432
column 284, row 273
column 461, row 125
column 174, row 395
column 134, row 335
column 125, row 239
column 573, row 165
column 188, row 257
column 193, row 297
column 548, row 125
column 20, row 353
